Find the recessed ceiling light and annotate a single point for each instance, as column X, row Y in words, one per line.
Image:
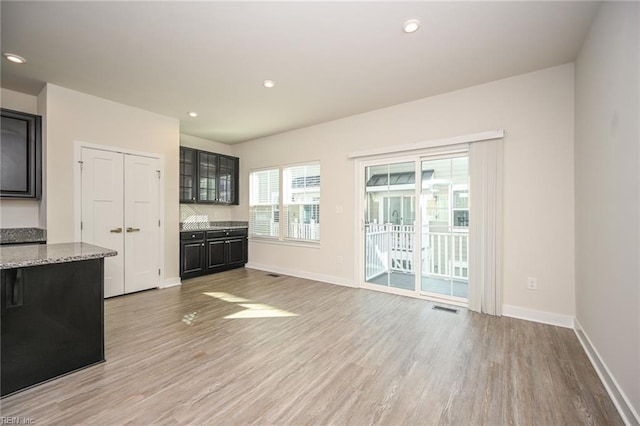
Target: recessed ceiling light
column 192, row 114
column 268, row 83
column 15, row 58
column 411, row 26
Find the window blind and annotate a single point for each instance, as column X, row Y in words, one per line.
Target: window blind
column 264, row 203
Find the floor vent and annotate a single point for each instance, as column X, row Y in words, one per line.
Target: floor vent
column 273, row 275
column 444, row 308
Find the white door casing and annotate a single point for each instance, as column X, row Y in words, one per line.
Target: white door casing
column 120, row 210
column 102, row 206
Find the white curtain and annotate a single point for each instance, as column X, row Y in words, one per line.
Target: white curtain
column 485, row 227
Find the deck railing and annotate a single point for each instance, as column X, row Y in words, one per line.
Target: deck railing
column 389, row 248
column 304, row 231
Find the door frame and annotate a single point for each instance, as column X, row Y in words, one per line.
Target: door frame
column 77, row 192
column 360, row 166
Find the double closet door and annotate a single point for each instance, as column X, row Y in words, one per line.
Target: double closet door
column 120, row 210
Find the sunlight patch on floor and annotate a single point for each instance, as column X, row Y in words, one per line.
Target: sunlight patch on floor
column 227, row 297
column 252, row 310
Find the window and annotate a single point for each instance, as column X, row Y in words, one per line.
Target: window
column 298, row 200
column 264, row 203
column 302, row 202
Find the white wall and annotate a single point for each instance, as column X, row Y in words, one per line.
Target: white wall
column 73, row 116
column 535, row 109
column 607, row 160
column 215, row 213
column 19, row 213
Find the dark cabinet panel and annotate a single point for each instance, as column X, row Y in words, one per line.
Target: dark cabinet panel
column 52, row 321
column 21, row 155
column 237, row 251
column 192, row 257
column 216, row 255
column 206, row 177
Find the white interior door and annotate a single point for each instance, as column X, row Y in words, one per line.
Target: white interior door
column 102, row 206
column 142, row 222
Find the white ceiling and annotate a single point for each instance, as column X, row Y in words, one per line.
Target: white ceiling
column 328, row 59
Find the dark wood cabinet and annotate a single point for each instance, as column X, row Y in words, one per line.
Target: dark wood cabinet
column 192, row 252
column 227, row 190
column 187, row 175
column 21, row 155
column 216, row 254
column 52, row 321
column 237, row 251
column 212, row 251
column 206, row 177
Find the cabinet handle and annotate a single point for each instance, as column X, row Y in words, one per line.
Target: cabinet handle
column 202, row 244
column 116, row 230
column 129, row 229
column 12, row 280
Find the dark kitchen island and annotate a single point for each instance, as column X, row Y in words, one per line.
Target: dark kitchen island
column 52, row 308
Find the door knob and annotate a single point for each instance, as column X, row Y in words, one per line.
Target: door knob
column 116, row 230
column 129, row 229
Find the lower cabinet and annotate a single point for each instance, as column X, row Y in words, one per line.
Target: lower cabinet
column 207, row 252
column 51, row 321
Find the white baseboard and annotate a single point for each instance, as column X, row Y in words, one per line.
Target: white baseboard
column 619, row 398
column 331, row 279
column 543, row 317
column 170, row 282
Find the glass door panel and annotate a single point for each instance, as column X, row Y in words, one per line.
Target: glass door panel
column 445, row 227
column 389, row 225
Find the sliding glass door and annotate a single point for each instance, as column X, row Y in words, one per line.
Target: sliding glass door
column 389, row 225
column 416, row 221
column 445, row 228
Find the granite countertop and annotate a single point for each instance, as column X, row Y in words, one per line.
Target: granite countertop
column 22, row 235
column 44, row 254
column 208, row 226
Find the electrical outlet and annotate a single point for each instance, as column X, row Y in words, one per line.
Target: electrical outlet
column 532, row 283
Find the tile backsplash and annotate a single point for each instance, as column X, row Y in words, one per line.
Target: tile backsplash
column 212, row 213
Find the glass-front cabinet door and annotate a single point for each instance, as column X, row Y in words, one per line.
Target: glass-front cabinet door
column 187, row 175
column 227, row 180
column 207, row 176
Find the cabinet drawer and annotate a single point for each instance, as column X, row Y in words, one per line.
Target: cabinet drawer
column 224, row 233
column 186, row 236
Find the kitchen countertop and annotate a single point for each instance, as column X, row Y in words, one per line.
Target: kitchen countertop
column 44, row 254
column 22, row 235
column 212, row 226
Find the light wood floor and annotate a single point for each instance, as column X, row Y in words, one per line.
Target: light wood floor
column 350, row 357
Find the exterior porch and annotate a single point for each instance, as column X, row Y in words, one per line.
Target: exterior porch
column 389, row 251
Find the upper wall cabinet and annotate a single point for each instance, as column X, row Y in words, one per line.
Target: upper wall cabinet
column 21, row 155
column 187, row 175
column 209, row 178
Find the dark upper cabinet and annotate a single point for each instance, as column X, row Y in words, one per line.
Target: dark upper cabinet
column 21, row 155
column 187, row 175
column 228, row 168
column 206, row 177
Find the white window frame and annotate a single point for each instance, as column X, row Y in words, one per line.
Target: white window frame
column 282, row 237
